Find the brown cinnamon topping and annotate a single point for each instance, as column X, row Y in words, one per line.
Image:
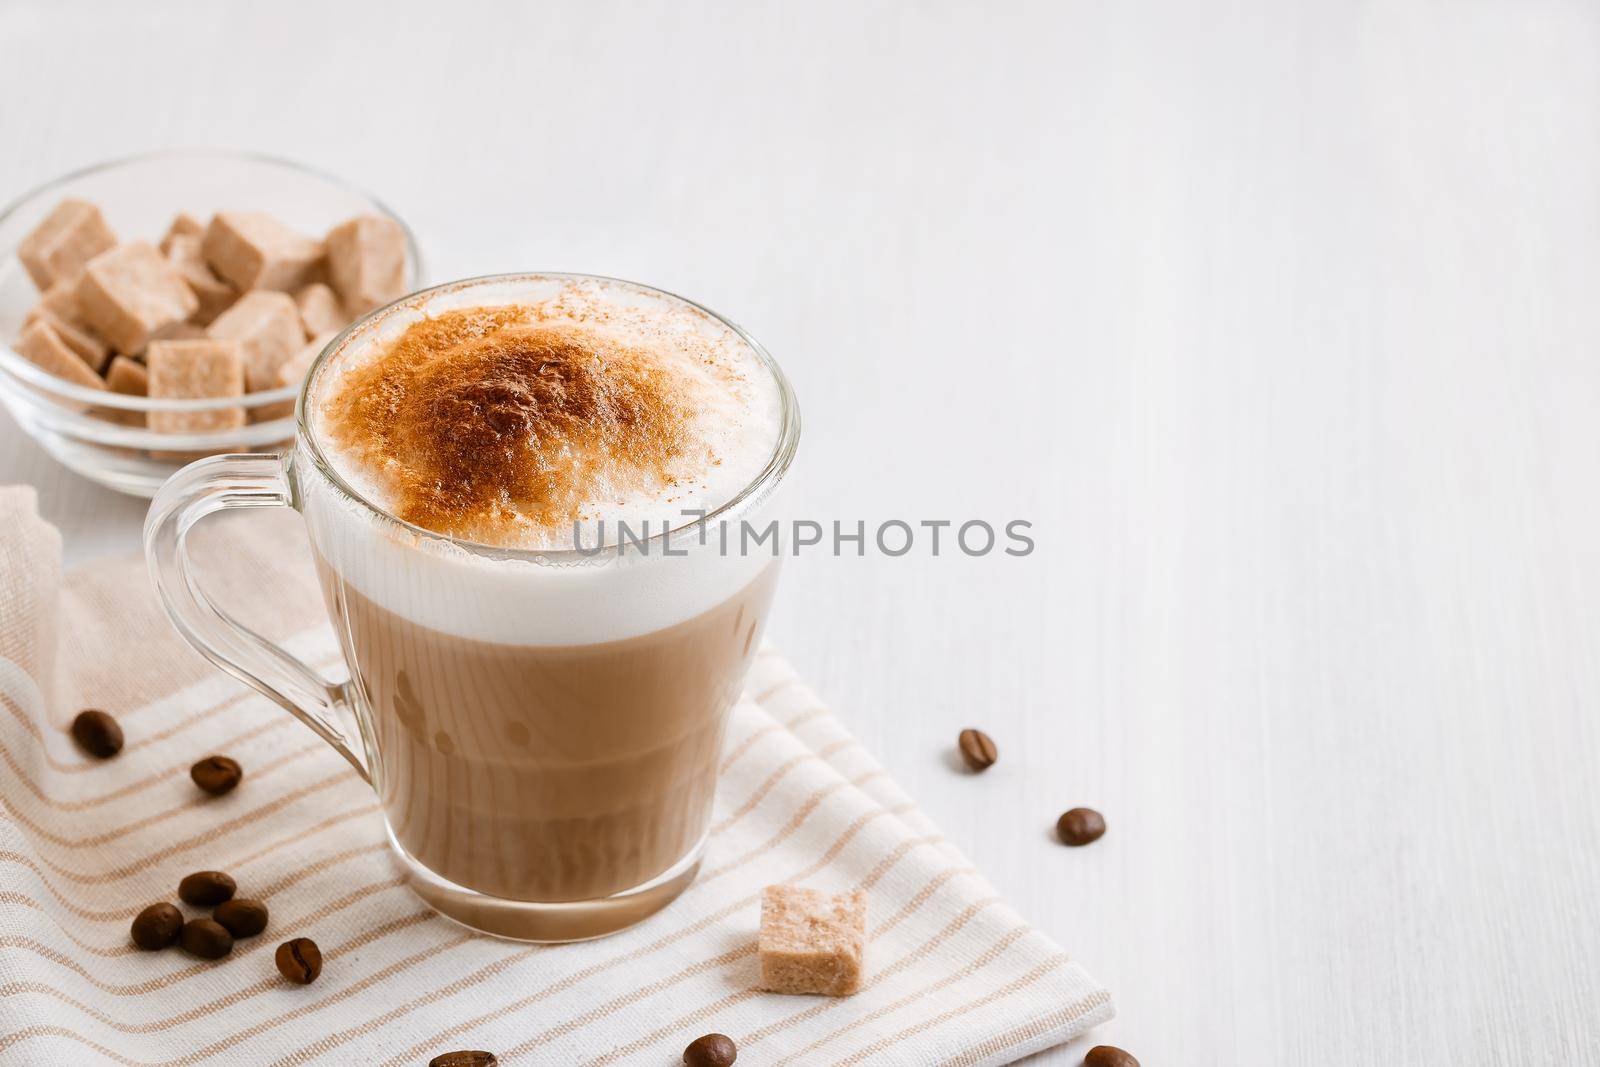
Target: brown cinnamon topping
column 484, row 419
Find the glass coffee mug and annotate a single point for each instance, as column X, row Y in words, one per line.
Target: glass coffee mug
column 542, row 729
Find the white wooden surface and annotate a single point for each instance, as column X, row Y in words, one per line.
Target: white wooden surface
column 1279, row 321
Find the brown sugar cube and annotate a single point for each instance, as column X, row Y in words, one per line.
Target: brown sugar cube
column 188, row 369
column 253, row 250
column 130, row 379
column 214, row 294
column 367, row 262
column 90, row 348
column 183, row 225
column 70, row 236
column 61, row 301
column 812, row 942
column 130, row 292
column 41, row 345
column 59, row 307
column 291, row 372
column 178, row 331
column 267, row 326
column 319, row 310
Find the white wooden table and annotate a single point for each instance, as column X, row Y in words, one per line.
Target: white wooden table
column 1279, row 322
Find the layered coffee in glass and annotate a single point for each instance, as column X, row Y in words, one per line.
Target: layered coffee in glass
column 517, row 491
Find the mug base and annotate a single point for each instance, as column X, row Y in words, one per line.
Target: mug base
column 542, row 923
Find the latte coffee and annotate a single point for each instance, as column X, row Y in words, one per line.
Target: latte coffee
column 509, row 485
column 503, row 480
column 549, row 772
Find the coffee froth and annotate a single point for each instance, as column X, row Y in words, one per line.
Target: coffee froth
column 731, row 412
column 512, row 425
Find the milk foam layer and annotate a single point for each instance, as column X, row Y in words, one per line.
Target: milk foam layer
column 533, row 597
column 510, row 418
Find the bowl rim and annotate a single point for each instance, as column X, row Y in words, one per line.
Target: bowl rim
column 14, row 365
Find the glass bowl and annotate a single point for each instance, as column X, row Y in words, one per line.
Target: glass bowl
column 139, row 196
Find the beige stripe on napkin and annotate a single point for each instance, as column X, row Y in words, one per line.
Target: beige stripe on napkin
column 955, row 976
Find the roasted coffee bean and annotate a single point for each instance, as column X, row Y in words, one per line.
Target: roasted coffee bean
column 206, row 938
column 713, row 1050
column 1108, row 1056
column 97, row 733
column 206, row 889
column 1079, row 827
column 216, row 774
column 464, row 1058
column 299, row 960
column 242, row 916
column 977, row 750
column 157, row 926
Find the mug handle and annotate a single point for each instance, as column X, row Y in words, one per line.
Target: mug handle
column 217, row 483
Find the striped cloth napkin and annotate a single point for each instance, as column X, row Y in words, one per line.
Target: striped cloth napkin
column 955, row 977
